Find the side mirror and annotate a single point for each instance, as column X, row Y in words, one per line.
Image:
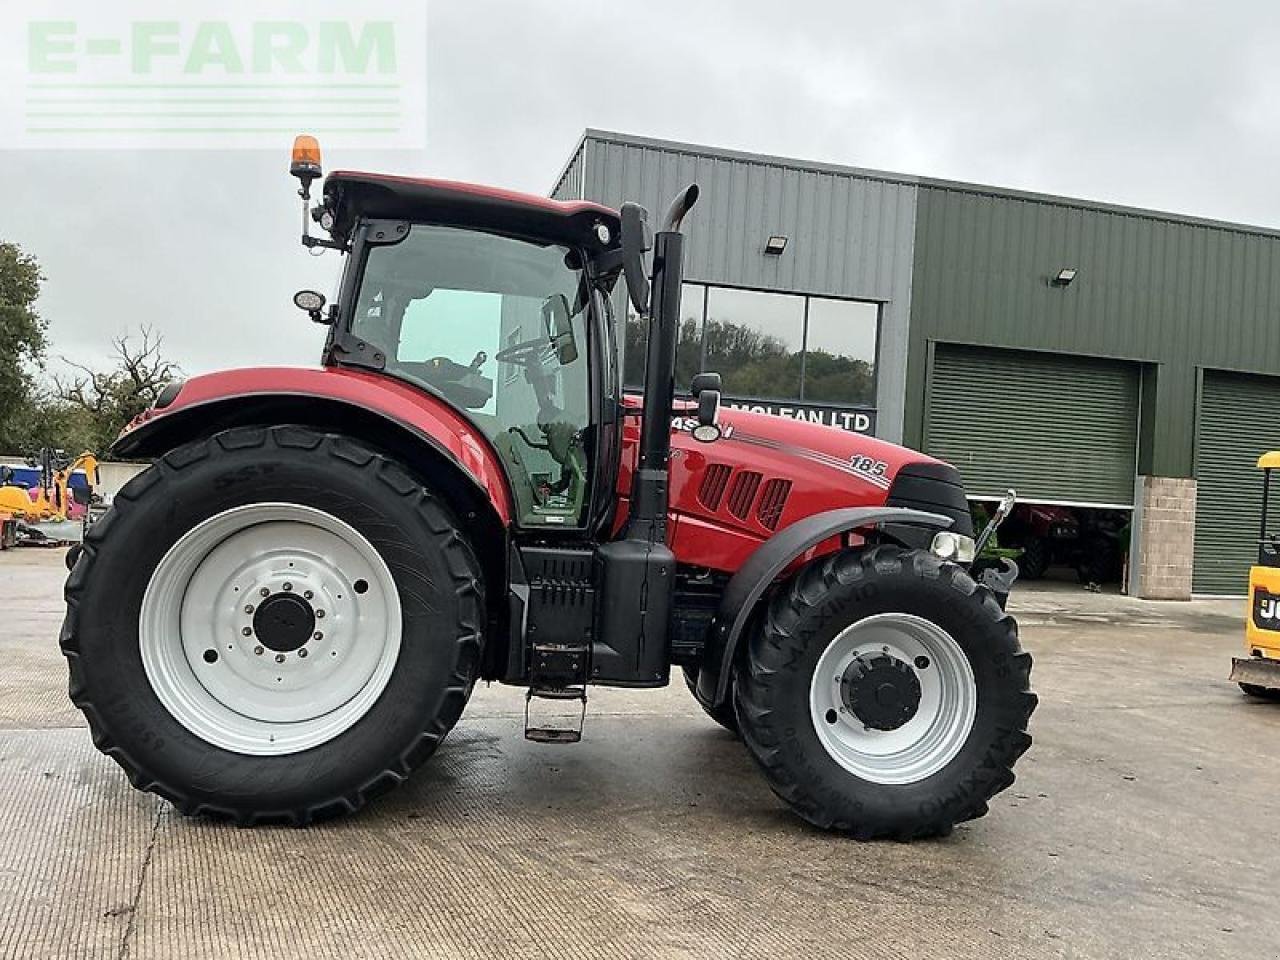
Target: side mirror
column 81, row 495
column 636, row 240
column 705, row 381
column 559, row 326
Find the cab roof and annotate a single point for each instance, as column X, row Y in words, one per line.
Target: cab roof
column 353, row 195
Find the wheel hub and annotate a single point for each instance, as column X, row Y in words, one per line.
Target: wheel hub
column 284, row 622
column 893, row 698
column 270, row 628
column 881, row 691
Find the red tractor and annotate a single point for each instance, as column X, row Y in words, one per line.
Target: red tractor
column 286, row 613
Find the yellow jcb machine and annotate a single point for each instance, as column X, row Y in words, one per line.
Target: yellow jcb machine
column 1259, row 673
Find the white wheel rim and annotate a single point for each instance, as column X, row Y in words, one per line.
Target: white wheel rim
column 943, row 720
column 218, row 678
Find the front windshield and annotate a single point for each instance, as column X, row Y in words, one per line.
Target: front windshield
column 496, row 326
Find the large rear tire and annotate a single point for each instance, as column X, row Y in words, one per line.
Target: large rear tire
column 273, row 625
column 884, row 694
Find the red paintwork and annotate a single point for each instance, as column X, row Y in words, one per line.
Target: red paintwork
column 1041, row 518
column 415, row 408
column 817, row 461
column 565, row 207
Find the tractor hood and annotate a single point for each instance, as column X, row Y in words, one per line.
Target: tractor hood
column 766, row 472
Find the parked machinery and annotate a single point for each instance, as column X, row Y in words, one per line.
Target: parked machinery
column 1258, row 672
column 287, row 612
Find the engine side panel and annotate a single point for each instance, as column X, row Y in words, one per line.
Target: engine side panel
column 764, row 474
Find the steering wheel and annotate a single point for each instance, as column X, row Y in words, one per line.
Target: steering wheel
column 526, row 354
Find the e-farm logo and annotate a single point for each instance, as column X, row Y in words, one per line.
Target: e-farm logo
column 214, row 75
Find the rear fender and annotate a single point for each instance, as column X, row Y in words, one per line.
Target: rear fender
column 340, row 400
column 763, row 567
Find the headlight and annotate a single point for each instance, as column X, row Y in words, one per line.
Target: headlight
column 953, row 546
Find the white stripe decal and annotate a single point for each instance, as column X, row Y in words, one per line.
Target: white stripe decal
column 882, row 483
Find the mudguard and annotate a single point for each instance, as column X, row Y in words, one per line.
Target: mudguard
column 420, row 428
column 762, row 568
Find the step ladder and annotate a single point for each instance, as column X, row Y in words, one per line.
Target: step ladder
column 555, row 724
column 557, row 678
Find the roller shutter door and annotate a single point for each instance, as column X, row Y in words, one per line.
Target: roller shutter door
column 1052, row 426
column 1239, row 421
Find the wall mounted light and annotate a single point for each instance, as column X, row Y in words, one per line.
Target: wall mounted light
column 1064, row 277
column 775, row 245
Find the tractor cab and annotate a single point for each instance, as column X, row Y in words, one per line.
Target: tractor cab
column 1258, row 673
column 500, row 326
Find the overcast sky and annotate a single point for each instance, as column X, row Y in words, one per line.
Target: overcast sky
column 1153, row 103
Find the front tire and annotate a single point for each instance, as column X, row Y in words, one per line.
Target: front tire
column 273, row 625
column 884, row 694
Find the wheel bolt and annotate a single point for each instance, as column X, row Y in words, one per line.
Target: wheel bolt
column 279, row 658
column 247, row 631
column 288, row 586
column 317, row 635
column 922, row 663
column 264, row 592
column 302, row 652
column 308, row 595
column 319, row 614
column 248, row 608
column 258, row 651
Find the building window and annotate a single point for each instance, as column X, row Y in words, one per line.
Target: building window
column 755, row 342
column 840, row 351
column 688, row 341
column 769, row 346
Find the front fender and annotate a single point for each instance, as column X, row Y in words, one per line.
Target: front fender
column 762, row 568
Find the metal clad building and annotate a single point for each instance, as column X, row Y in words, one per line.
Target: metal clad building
column 1084, row 353
column 850, row 235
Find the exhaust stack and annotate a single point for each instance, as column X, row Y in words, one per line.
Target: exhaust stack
column 637, row 573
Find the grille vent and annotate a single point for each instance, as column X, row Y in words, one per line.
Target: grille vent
column 772, row 500
column 714, row 482
column 742, row 492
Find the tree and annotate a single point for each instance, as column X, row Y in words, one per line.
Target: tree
column 22, row 343
column 98, row 404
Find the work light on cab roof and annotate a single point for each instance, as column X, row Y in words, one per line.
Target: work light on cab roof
column 288, row 612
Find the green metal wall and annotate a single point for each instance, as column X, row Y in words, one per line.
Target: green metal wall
column 1238, row 423
column 1176, row 294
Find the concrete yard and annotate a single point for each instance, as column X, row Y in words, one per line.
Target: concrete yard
column 1142, row 825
